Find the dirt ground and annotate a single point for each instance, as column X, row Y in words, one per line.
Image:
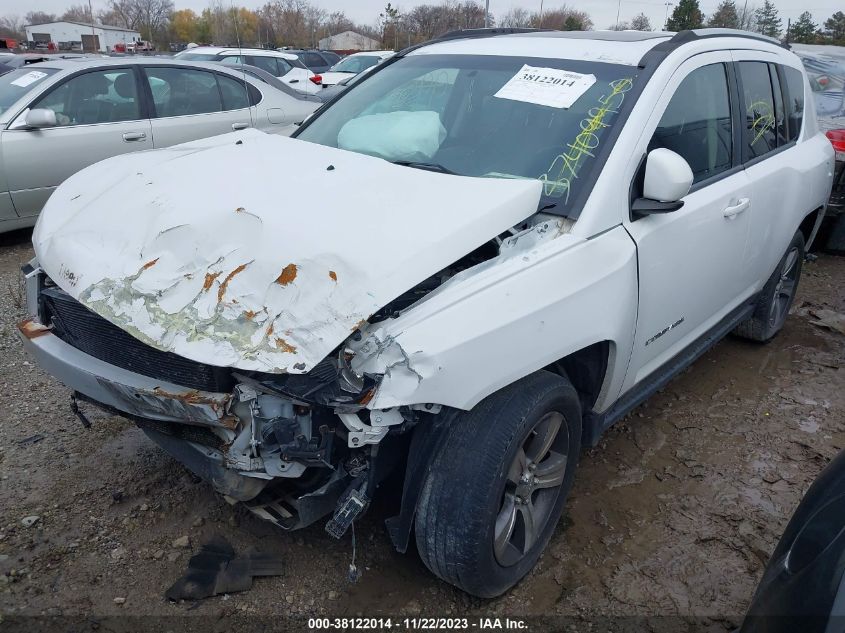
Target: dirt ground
column 674, row 513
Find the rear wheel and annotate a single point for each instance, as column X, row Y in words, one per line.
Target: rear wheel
column 776, row 297
column 496, row 489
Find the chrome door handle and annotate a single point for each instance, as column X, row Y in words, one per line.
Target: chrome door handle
column 734, row 210
column 134, row 136
column 240, row 126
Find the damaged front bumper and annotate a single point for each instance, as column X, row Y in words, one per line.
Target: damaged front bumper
column 290, row 460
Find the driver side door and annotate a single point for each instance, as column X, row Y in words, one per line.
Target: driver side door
column 99, row 115
column 692, row 261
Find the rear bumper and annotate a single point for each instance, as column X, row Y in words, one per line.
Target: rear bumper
column 119, row 388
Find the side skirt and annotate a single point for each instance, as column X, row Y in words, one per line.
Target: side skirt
column 595, row 424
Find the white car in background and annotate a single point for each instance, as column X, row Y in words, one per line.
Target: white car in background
column 353, row 65
column 61, row 116
column 285, row 66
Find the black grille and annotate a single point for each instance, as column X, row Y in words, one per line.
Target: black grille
column 86, row 331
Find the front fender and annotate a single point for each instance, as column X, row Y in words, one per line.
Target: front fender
column 502, row 320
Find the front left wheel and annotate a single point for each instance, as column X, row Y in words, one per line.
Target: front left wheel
column 497, row 487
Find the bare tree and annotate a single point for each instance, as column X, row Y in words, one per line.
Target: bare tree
column 12, row 26
column 78, row 13
column 39, row 17
column 518, row 17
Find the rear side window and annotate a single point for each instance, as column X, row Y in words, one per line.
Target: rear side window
column 794, row 80
column 235, row 93
column 759, row 108
column 697, row 122
column 780, row 117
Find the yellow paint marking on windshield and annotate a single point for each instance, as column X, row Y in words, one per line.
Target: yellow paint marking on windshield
column 557, row 180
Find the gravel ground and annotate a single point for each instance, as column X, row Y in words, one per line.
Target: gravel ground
column 674, row 514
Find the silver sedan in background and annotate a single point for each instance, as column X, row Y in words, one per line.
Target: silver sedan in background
column 60, row 116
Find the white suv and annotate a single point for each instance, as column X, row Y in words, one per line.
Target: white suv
column 284, row 66
column 519, row 237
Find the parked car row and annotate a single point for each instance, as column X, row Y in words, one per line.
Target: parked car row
column 60, row 116
column 285, row 66
column 518, row 238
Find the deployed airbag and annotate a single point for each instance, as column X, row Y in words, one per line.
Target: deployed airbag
column 394, row 136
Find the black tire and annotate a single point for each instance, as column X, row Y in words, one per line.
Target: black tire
column 472, row 482
column 776, row 297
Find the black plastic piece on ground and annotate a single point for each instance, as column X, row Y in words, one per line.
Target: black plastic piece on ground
column 217, row 569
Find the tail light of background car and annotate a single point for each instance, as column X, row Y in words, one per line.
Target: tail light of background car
column 317, row 79
column 837, row 138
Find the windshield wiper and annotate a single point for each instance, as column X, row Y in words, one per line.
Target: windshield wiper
column 423, row 165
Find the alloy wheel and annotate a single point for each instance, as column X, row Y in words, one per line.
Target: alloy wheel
column 531, row 489
column 785, row 289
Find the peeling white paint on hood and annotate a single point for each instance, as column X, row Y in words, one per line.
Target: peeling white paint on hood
column 257, row 251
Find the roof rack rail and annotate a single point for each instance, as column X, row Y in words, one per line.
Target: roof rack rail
column 659, row 52
column 462, row 34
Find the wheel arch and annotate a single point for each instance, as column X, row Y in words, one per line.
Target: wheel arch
column 809, row 226
column 587, row 369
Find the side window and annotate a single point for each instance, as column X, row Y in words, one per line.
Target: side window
column 105, row 96
column 182, row 91
column 697, row 122
column 232, row 60
column 794, row 101
column 235, row 93
column 313, row 59
column 284, row 67
column 264, row 63
column 759, row 108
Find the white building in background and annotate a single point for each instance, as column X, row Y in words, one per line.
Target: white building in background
column 349, row 41
column 95, row 36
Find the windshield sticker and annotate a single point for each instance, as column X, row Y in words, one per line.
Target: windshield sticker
column 29, row 78
column 546, row 86
column 557, row 181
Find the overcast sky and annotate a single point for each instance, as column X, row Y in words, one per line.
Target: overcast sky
column 603, row 12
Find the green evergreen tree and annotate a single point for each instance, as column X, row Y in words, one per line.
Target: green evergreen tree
column 804, row 29
column 725, row 16
column 835, row 27
column 687, row 15
column 767, row 19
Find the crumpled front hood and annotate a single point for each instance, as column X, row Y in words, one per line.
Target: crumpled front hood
column 260, row 252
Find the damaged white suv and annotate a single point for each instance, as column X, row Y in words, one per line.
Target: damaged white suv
column 519, row 236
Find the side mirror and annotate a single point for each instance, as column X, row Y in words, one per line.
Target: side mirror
column 38, row 118
column 668, row 178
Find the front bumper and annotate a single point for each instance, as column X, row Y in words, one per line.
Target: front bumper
column 126, row 391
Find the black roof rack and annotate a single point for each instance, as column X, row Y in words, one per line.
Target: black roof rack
column 659, row 52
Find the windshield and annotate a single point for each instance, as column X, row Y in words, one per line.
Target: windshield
column 17, row 83
column 355, row 64
column 483, row 116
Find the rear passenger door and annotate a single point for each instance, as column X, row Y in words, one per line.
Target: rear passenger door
column 692, row 261
column 190, row 103
column 772, row 102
